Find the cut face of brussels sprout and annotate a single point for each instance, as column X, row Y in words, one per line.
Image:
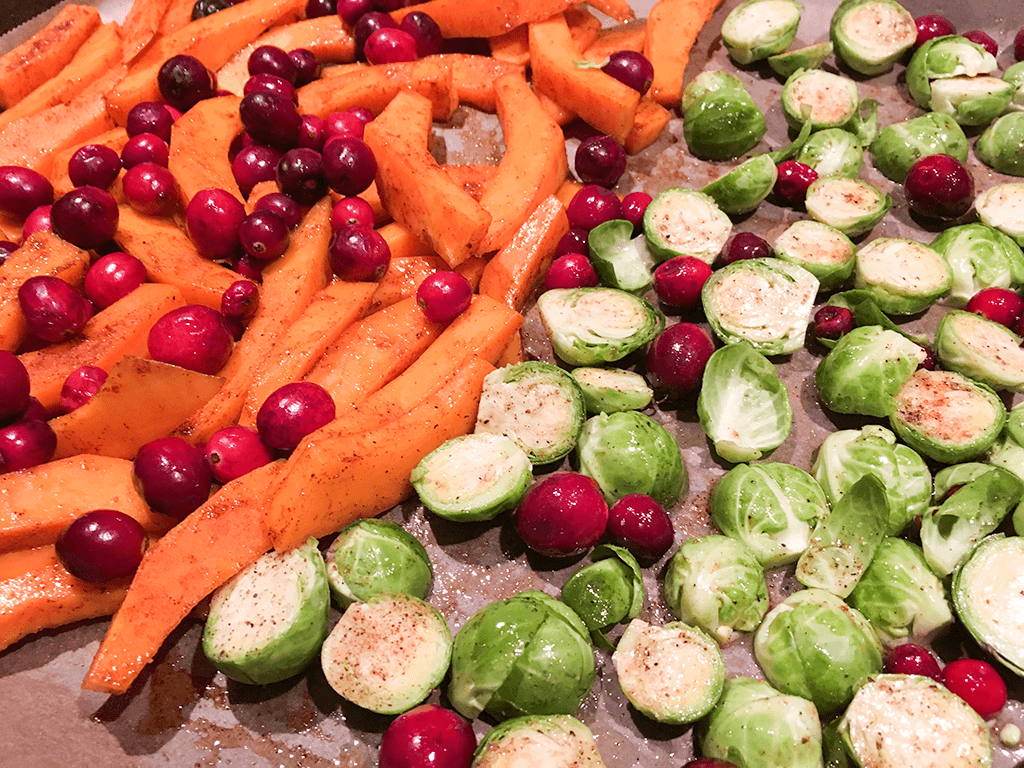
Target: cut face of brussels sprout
column 268, row 622
column 988, row 594
column 981, row 349
column 869, row 35
column 971, row 100
column 373, row 556
column 850, row 205
column 946, row 416
column 597, row 325
column 757, row 29
column 628, row 452
column 683, row 222
column 743, row 188
column 770, row 507
column 1002, row 207
column 621, row 260
column 903, row 276
column 999, row 147
column 723, row 124
column 900, row 145
column 388, row 653
column 815, row 646
column 716, row 583
column 945, row 57
column 811, row 57
column 758, row 727
column 554, row 741
column 743, row 405
column 832, row 99
column 896, row 721
column 673, row 673
column 609, row 390
column 537, row 405
column 822, row 250
column 473, row 477
column 833, row 152
column 979, row 256
column 768, row 302
column 609, row 591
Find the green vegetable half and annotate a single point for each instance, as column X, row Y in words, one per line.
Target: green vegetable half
column 900, row 145
column 903, row 276
column 552, row 741
column 982, row 349
column 870, row 35
column 684, row 222
column 372, row 556
column 850, row 205
column 756, row 29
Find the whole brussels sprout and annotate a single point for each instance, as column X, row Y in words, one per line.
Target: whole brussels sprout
column 900, row 145
column 756, row 29
column 979, row 256
column 942, row 58
column 999, row 147
column 723, row 123
column 870, row 35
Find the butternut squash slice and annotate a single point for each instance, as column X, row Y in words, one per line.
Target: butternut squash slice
column 625, row 37
column 651, row 119
column 474, row 78
column 457, row 18
column 672, row 29
column 403, row 278
column 512, row 46
column 140, row 26
column 115, row 138
column 200, row 142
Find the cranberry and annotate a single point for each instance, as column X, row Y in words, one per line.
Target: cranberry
column 307, row 68
column 6, row 249
column 94, row 165
column 600, row 160
column 254, row 164
column 939, row 186
column 149, row 117
column 745, row 245
column 312, row 133
column 184, row 82
column 264, row 235
column 54, row 310
column 358, row 254
column 26, row 443
column 793, row 180
column 172, row 476
column 708, row 762
column 282, row 205
column 832, row 322
column 424, row 31
column 1018, row 45
column 349, row 165
column 344, row 124
column 999, row 305
column 271, row 60
column 363, row 113
column 193, row 336
column 978, row 683
column 428, row 736
column 593, row 205
column 351, row 10
column 248, row 267
column 562, row 515
column 984, row 40
column 678, row 281
column 677, row 357
column 37, row 221
column 145, row 148
column 15, row 388
column 235, row 451
column 911, row 659
column 368, row 23
column 641, row 525
column 34, row 411
column 150, row 189
column 928, row 363
column 22, row 190
column 444, row 295
column 292, row 412
column 240, row 301
column 573, row 241
column 212, row 218
column 317, row 8
column 85, row 216
column 113, row 277
column 79, row 387
column 270, row 84
column 570, row 270
column 352, row 211
column 631, row 69
column 634, row 206
column 270, row 118
column 101, row 546
column 932, row 25
column 300, row 175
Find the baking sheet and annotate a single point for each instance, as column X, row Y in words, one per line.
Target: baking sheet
column 183, row 713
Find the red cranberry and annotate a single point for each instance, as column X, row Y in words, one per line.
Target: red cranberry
column 677, row 357
column 570, row 270
column 389, row 46
column 708, row 762
column 368, row 23
column 15, row 388
column 444, row 295
column 37, row 221
column 22, row 190
column 424, row 31
column 562, row 515
column 292, row 412
column 254, row 164
column 317, row 8
column 351, row 10
column 358, row 254
column 6, row 249
column 271, row 119
column 932, row 25
column 1018, row 45
column 631, row 69
column 271, row 84
column 85, row 216
column 194, row 337
column 264, row 235
column 641, row 525
column 984, row 40
column 349, row 165
column 212, row 218
column 745, row 245
column 678, row 281
column 53, row 309
column 101, row 546
column 26, row 443
column 344, row 124
column 793, row 180
column 978, row 683
column 634, row 205
column 249, row 268
column 1000, row 305
column 832, row 322
column 428, row 736
column 145, row 148
column 150, row 189
column 307, row 67
column 352, row 211
column 600, row 160
column 282, row 205
column 363, row 113
column 300, row 175
column 593, row 205
column 113, row 277
column 271, row 60
column 94, row 165
column 573, row 241
column 172, row 476
column 312, row 133
column 149, row 117
column 235, row 451
column 240, row 301
column 184, row 82
column 940, row 187
column 79, row 387
column 911, row 659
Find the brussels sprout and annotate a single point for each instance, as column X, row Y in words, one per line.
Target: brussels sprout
column 716, row 583
column 1015, row 76
column 844, row 543
column 743, row 405
column 979, row 256
column 811, row 57
column 706, row 84
column 942, row 58
column 870, row 35
column 815, row 646
column 473, row 477
column 527, row 655
column 552, row 741
column 950, row 478
column 267, row 623
column 999, row 147
column 971, row 100
column 832, row 99
column 822, row 250
column 982, row 349
column 768, row 302
column 743, row 188
column 608, row 591
column 850, row 205
column 866, row 312
column 946, row 416
column 723, row 123
column 756, row 29
column 755, row 726
column 684, row 222
column 608, row 390
column 903, row 276
column 673, row 674
column 621, row 260
column 1008, row 453
column 628, row 452
column 373, row 556
column 770, row 507
column 537, row 405
column 789, row 151
column 896, row 721
column 987, row 591
column 950, row 531
column 865, row 370
column 833, row 152
column 900, row 595
column 900, row 145
column 388, row 653
column 864, row 123
column 1015, row 423
column 1000, row 207
column 850, row 454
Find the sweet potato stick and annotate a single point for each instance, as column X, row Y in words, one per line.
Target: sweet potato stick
column 457, row 18
column 672, row 29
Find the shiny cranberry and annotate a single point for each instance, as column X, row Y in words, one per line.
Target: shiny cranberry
column 928, row 363
column 264, row 235
column 428, row 736
column 254, row 164
column 600, row 160
column 193, row 336
column 145, row 148
column 932, row 25
column 832, row 322
column 1018, row 45
column 678, row 281
column 101, row 546
column 94, row 165
column 424, row 31
column 272, row 84
column 85, row 216
column 358, row 254
column 184, row 82
column 317, row 8
column 911, row 659
column 37, row 221
column 271, row 60
column 300, row 175
column 978, row 683
column 15, row 388
column 939, row 187
column 444, row 295
column 573, row 241
column 593, row 205
column 352, row 211
column 271, row 119
column 149, row 117
column 708, row 762
column 6, row 249
column 150, row 189
column 54, row 310
column 363, row 113
column 367, row 24
column 350, row 11
column 562, row 515
column 344, row 124
column 292, row 412
column 393, row 5
column 26, row 443
column 248, row 267
column 571, row 270
column 793, row 180
column 984, row 40
column 79, row 387
column 312, row 133
column 113, row 277
column 235, row 451
column 634, row 205
column 349, row 165
column 22, row 190
column 677, row 357
column 641, row 525
column 999, row 305
column 34, row 411
column 631, row 69
column 240, row 301
column 745, row 245
column 389, row 46
column 212, row 218
column 307, row 68
column 284, row 206
column 172, row 476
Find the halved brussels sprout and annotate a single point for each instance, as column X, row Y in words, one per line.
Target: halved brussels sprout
column 833, row 152
column 971, row 100
column 832, row 99
column 982, row 349
column 537, row 405
column 897, row 721
column 767, row 302
column 609, row 591
column 947, row 416
column 673, row 673
column 903, row 276
column 850, row 454
column 373, row 556
column 597, row 325
column 900, row 595
column 723, row 123
column 743, row 188
column 608, row 390
column 770, row 507
column 1002, row 207
column 628, row 452
column 811, row 57
column 945, row 57
column 716, row 583
column 979, row 256
column 1014, row 75
column 850, row 205
column 950, row 478
column 527, row 655
column 815, row 646
column 900, row 145
column 743, row 405
column 621, row 260
column 387, row 653
column 756, row 29
column 268, row 622
column 1008, row 452
column 684, row 222
column 867, row 312
column 988, row 590
column 999, row 147
column 553, row 741
column 755, row 726
column 822, row 250
column 870, row 35
column 473, row 477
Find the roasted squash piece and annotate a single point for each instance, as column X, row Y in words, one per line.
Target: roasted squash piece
column 672, row 29
column 200, row 142
column 457, row 18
